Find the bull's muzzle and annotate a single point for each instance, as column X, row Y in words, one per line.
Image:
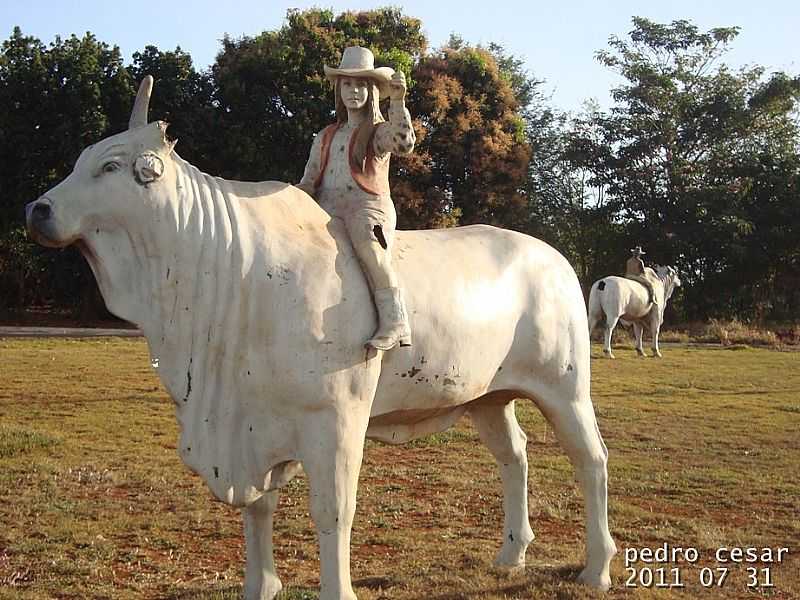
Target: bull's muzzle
column 39, row 220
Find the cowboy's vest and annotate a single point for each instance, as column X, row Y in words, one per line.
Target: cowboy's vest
column 373, row 178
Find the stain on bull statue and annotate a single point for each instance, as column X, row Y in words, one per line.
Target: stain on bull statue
column 272, row 370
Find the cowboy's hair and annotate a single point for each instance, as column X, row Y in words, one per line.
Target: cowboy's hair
column 366, row 131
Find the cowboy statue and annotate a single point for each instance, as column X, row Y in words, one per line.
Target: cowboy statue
column 348, row 175
column 635, row 269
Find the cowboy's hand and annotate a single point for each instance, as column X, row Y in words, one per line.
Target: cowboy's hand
column 397, row 86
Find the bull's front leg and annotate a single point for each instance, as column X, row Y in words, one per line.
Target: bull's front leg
column 655, row 329
column 334, row 447
column 638, row 330
column 261, row 580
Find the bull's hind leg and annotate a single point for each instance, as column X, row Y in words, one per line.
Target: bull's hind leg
column 576, row 429
column 260, row 581
column 611, row 323
column 498, row 428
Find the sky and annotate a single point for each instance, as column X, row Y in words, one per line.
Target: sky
column 556, row 40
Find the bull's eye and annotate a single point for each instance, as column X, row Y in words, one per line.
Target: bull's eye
column 111, row 166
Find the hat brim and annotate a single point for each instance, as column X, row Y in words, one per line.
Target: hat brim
column 381, row 75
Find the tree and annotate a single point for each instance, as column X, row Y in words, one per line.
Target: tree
column 272, row 95
column 569, row 206
column 472, row 152
column 183, row 98
column 57, row 100
column 681, row 153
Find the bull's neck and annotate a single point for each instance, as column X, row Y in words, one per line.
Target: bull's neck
column 669, row 285
column 197, row 296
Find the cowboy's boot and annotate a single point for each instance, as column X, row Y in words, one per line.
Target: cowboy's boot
column 393, row 326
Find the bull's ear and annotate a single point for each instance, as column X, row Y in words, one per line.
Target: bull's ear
column 162, row 127
column 148, row 167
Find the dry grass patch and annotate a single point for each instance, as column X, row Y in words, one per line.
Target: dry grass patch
column 94, row 502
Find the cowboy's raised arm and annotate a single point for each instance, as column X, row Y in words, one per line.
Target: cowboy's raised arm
column 396, row 135
column 310, row 175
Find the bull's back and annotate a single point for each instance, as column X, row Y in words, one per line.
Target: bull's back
column 484, row 304
column 623, row 298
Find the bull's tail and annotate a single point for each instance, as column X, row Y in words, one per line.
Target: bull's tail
column 595, row 308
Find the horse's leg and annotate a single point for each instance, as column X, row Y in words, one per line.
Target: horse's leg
column 331, row 456
column 611, row 323
column 576, row 429
column 637, row 334
column 260, row 581
column 498, row 429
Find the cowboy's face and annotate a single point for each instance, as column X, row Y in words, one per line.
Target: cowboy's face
column 354, row 92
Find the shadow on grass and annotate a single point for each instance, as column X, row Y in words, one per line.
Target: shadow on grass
column 234, row 592
column 541, row 578
column 230, row 592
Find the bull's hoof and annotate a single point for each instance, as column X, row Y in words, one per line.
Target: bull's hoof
column 599, row 581
column 640, row 352
column 344, row 595
column 609, row 354
column 512, row 554
column 656, row 354
column 266, row 589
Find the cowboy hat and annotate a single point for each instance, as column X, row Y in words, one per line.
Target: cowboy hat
column 638, row 250
column 360, row 62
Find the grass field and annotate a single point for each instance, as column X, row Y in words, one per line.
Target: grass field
column 95, row 503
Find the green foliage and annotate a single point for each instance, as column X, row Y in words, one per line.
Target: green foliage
column 183, row 98
column 57, row 100
column 272, row 94
column 471, row 158
column 700, row 165
column 697, row 162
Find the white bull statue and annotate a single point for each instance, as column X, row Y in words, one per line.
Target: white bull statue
column 618, row 299
column 253, row 301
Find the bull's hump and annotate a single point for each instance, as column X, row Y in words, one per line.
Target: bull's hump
column 256, row 189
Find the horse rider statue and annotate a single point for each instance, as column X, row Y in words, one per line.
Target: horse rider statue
column 635, row 269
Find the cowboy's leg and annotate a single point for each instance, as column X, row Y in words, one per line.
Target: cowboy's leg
column 372, row 236
column 651, row 292
column 377, row 264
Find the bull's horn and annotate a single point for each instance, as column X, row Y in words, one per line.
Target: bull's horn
column 139, row 112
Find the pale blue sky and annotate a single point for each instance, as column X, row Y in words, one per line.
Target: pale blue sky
column 557, row 40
